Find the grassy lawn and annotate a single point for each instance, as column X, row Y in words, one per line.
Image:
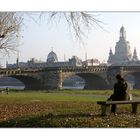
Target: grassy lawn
column 49, row 96
column 64, row 108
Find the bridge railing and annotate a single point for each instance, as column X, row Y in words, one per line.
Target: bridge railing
column 66, row 69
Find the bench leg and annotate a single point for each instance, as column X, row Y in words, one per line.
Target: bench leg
column 104, row 109
column 134, row 108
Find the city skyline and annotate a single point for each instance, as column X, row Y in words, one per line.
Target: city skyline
column 38, row 39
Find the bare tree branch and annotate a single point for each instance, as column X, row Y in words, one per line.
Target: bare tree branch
column 9, row 31
column 79, row 23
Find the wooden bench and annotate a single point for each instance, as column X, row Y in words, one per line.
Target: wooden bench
column 105, row 105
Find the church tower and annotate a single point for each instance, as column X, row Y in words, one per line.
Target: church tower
column 135, row 57
column 122, row 53
column 17, row 61
column 6, row 64
column 122, row 48
column 110, row 52
column 122, row 33
column 110, row 56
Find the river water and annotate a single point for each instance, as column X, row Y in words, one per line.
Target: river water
column 13, row 87
column 73, row 87
column 22, row 87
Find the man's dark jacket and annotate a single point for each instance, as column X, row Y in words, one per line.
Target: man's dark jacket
column 120, row 91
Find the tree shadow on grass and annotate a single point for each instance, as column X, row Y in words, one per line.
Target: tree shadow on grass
column 49, row 121
column 74, row 120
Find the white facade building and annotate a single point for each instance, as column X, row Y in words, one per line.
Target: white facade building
column 123, row 54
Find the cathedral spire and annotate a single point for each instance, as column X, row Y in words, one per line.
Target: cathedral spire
column 52, row 49
column 122, row 33
column 17, row 61
column 111, row 55
column 135, row 57
column 110, row 52
column 6, row 64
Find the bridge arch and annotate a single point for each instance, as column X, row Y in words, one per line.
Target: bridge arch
column 28, row 81
column 11, row 82
column 130, row 78
column 92, row 80
column 135, row 80
column 73, row 82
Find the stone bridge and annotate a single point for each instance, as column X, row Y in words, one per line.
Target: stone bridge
column 96, row 77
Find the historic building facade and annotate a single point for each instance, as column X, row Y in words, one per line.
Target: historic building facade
column 123, row 54
column 52, row 61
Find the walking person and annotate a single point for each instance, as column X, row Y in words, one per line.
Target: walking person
column 7, row 90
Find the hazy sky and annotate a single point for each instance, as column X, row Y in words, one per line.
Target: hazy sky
column 38, row 39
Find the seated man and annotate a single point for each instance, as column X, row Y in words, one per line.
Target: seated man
column 120, row 92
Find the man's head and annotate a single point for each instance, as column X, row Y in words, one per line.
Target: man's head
column 119, row 77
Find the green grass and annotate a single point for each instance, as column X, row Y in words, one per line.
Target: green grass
column 62, row 108
column 45, row 96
